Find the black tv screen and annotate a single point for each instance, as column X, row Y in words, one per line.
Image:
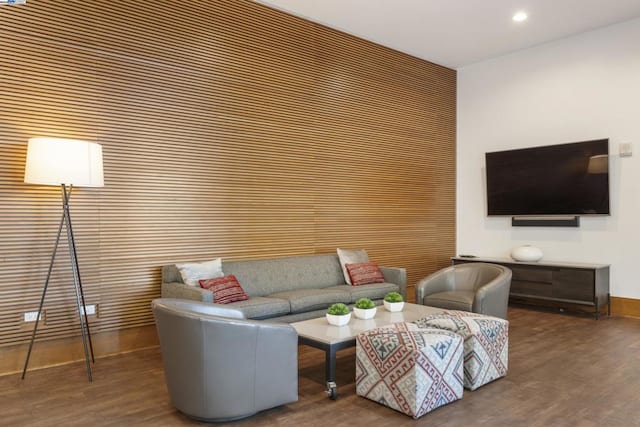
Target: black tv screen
column 565, row 179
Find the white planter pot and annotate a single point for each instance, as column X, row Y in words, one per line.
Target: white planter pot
column 394, row 306
column 364, row 314
column 338, row 320
column 527, row 253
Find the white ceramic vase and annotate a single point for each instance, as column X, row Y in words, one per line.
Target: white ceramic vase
column 364, row 313
column 394, row 306
column 338, row 320
column 527, row 253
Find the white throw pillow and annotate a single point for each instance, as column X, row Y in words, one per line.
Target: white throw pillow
column 348, row 256
column 192, row 272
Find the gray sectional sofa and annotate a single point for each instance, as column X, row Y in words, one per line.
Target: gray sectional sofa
column 288, row 289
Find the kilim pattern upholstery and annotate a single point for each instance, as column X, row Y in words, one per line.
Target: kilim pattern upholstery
column 364, row 273
column 486, row 343
column 409, row 369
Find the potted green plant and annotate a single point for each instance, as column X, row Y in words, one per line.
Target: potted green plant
column 393, row 301
column 364, row 309
column 338, row 314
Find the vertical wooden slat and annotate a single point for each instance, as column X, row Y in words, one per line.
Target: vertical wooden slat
column 229, row 129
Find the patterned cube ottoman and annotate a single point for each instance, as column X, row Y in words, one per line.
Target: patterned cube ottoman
column 486, row 343
column 409, row 369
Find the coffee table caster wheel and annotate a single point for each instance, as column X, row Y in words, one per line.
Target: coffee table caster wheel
column 332, row 390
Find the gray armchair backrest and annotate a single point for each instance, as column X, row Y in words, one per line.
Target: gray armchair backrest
column 194, row 308
column 471, row 276
column 223, row 368
column 491, row 284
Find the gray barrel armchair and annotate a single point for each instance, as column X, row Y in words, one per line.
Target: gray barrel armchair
column 220, row 366
column 477, row 287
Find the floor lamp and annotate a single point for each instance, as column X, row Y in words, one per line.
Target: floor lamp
column 67, row 163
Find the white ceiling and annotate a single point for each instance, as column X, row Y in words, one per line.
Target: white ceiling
column 456, row 33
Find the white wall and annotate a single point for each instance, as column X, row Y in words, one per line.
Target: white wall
column 579, row 88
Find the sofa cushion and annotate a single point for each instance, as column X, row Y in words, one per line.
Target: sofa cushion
column 364, row 273
column 373, row 291
column 458, row 300
column 313, row 299
column 261, row 307
column 225, row 289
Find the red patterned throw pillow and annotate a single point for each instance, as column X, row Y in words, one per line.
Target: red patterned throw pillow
column 225, row 289
column 364, row 273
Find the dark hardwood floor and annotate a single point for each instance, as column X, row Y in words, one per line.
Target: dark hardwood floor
column 564, row 370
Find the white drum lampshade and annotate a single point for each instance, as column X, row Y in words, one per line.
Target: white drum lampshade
column 56, row 161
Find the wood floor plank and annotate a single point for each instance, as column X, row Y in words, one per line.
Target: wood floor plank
column 564, row 370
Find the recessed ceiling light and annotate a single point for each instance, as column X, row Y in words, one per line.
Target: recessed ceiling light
column 520, row 16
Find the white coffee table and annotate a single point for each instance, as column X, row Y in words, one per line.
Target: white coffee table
column 319, row 334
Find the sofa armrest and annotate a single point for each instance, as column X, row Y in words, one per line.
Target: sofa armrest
column 181, row 291
column 397, row 276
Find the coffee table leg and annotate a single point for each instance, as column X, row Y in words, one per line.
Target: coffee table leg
column 330, row 351
column 330, row 372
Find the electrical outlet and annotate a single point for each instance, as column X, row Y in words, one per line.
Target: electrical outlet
column 626, row 149
column 31, row 316
column 91, row 309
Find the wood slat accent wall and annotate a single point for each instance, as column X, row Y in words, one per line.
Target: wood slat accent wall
column 228, row 129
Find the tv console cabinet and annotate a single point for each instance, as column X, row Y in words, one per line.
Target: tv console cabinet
column 555, row 284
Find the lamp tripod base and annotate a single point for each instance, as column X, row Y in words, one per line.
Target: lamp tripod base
column 77, row 282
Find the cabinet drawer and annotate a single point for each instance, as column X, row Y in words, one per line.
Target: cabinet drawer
column 573, row 284
column 524, row 287
column 531, row 274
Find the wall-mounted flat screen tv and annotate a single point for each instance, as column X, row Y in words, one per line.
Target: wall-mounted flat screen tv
column 565, row 179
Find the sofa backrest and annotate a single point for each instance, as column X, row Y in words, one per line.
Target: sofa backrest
column 267, row 276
